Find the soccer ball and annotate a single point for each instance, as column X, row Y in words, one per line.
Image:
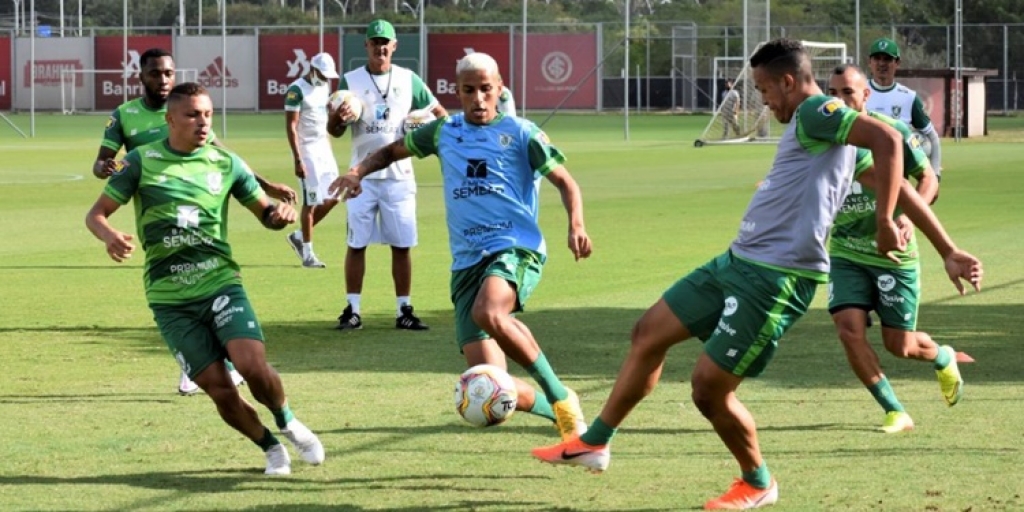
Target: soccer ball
column 344, row 96
column 917, row 140
column 416, row 119
column 485, row 395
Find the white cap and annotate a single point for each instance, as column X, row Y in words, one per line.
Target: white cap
column 324, row 63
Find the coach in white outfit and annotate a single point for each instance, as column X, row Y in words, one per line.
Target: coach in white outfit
column 386, row 210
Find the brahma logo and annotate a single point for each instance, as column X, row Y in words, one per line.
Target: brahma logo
column 220, row 302
column 217, row 74
column 50, row 72
column 188, row 216
column 556, row 67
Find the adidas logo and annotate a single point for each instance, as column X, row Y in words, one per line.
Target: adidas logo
column 217, row 75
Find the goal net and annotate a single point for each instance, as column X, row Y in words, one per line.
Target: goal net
column 740, row 116
column 91, row 91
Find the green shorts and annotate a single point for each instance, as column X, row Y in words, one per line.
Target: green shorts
column 520, row 267
column 740, row 310
column 894, row 293
column 197, row 331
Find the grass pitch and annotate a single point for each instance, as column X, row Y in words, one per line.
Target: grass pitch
column 91, row 420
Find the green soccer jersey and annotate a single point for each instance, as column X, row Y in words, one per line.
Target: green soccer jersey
column 133, row 124
column 181, row 207
column 854, row 231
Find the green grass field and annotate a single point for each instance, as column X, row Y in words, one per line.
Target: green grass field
column 91, row 421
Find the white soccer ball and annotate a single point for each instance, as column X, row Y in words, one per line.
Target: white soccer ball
column 921, row 141
column 416, row 119
column 485, row 395
column 345, row 96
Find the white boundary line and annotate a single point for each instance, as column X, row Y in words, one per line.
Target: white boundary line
column 51, row 178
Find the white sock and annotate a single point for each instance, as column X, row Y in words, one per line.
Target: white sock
column 307, row 249
column 402, row 301
column 353, row 300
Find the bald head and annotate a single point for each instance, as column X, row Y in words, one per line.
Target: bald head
column 849, row 83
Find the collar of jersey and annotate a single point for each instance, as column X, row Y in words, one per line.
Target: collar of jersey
column 371, row 73
column 167, row 146
column 880, row 88
column 499, row 117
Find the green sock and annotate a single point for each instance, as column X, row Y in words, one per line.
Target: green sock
column 598, row 434
column 268, row 441
column 759, row 477
column 541, row 372
column 885, row 396
column 943, row 359
column 283, row 416
column 541, row 407
column 230, row 366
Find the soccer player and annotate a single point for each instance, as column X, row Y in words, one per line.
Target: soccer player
column 305, row 111
column 180, row 186
column 141, row 121
column 898, row 101
column 743, row 301
column 861, row 280
column 386, row 211
column 491, row 165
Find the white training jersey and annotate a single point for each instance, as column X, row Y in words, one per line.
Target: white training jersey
column 896, row 101
column 311, row 103
column 387, row 100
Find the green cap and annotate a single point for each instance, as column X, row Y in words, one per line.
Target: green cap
column 886, row 46
column 380, row 28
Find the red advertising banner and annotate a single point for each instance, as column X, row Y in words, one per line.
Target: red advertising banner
column 6, row 74
column 446, row 49
column 557, row 69
column 284, row 58
column 118, row 70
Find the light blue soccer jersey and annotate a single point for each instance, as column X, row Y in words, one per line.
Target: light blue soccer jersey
column 490, row 176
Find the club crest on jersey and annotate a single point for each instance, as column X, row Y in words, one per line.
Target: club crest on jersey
column 292, row 96
column 830, row 107
column 120, row 165
column 543, row 137
column 505, row 140
column 896, row 111
column 111, row 121
column 215, row 182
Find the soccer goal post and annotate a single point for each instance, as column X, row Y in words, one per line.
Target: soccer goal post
column 92, row 91
column 740, row 117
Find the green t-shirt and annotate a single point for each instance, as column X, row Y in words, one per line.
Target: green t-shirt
column 181, row 207
column 855, row 229
column 133, row 124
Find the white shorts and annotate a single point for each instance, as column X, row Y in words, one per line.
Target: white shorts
column 384, row 213
column 321, row 171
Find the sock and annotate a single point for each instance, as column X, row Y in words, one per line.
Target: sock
column 353, row 300
column 599, row 433
column 268, row 441
column 541, row 407
column 759, row 477
column 402, row 301
column 943, row 359
column 230, row 366
column 307, row 249
column 885, row 396
column 541, row 372
column 283, row 416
